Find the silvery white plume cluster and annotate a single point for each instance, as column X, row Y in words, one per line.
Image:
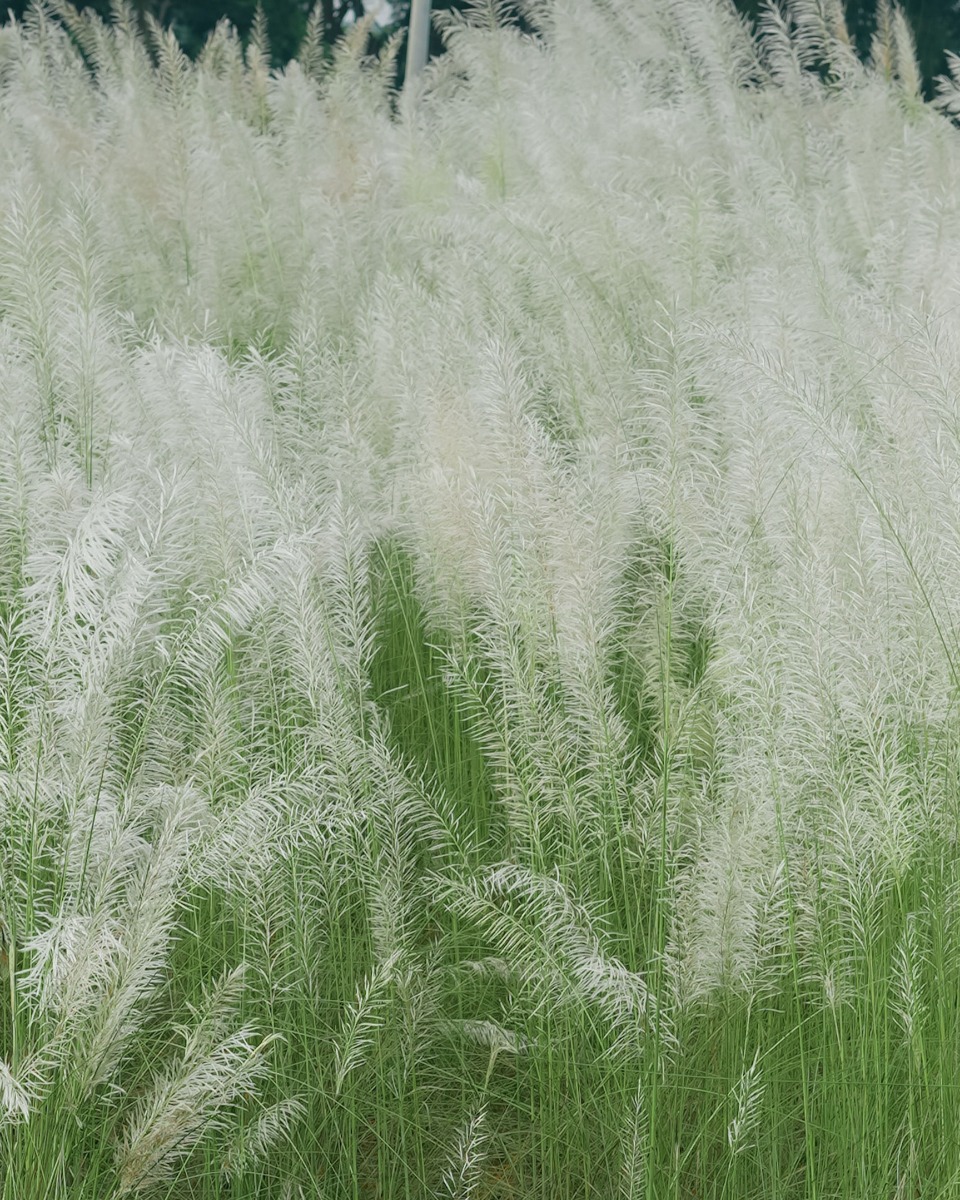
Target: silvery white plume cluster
column 480, row 610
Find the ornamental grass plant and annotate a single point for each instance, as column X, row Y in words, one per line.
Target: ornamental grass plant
column 480, row 612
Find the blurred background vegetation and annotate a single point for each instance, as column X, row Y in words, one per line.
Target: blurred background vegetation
column 935, row 23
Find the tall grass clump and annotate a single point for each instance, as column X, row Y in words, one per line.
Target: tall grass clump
column 480, row 612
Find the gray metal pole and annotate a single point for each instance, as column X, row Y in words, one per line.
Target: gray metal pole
column 418, row 37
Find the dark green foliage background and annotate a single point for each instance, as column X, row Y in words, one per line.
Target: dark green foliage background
column 935, row 23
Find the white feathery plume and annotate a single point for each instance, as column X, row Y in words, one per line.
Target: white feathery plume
column 462, row 1178
column 635, row 1144
column 362, row 1021
column 748, row 1097
column 14, row 1097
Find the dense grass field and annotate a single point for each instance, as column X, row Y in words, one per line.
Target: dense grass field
column 480, row 614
